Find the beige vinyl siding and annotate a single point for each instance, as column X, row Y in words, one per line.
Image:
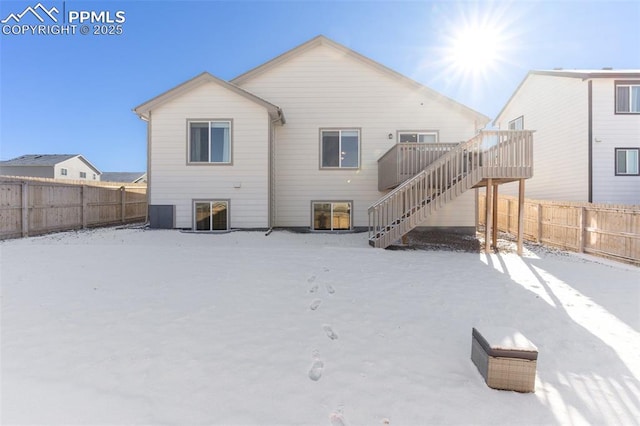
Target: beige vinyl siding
column 323, row 88
column 177, row 183
column 557, row 109
column 612, row 131
column 74, row 166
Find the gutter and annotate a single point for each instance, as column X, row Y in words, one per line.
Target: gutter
column 590, row 136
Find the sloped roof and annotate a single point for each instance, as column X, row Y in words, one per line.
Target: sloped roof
column 584, row 74
column 46, row 160
column 121, row 176
column 38, row 160
column 205, row 77
column 324, row 41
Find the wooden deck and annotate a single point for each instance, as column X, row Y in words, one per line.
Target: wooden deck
column 487, row 160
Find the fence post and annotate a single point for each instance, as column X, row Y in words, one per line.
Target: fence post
column 488, row 216
column 539, row 223
column 83, row 197
column 520, row 216
column 25, row 209
column 583, row 230
column 122, row 204
column 494, row 229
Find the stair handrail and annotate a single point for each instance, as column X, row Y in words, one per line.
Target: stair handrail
column 435, row 165
column 446, row 157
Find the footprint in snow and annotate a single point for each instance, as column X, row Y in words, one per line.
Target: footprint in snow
column 313, row 289
column 337, row 419
column 330, row 289
column 315, row 304
column 311, row 279
column 315, row 372
column 330, row 333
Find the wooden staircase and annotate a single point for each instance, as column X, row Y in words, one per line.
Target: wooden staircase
column 498, row 156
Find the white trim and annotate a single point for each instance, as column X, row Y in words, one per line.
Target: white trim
column 228, row 148
column 331, row 215
column 211, row 202
column 340, row 130
column 418, row 134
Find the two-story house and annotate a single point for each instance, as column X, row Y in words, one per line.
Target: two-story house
column 298, row 142
column 52, row 166
column 587, row 133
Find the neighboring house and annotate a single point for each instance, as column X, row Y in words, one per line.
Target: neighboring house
column 295, row 143
column 124, row 177
column 587, row 133
column 54, row 166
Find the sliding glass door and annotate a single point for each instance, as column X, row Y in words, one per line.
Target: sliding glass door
column 211, row 215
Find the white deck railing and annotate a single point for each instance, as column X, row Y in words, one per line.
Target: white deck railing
column 405, row 160
column 505, row 154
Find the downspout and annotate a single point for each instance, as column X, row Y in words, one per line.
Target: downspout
column 271, row 170
column 148, row 166
column 590, row 115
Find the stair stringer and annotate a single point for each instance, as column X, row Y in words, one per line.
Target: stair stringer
column 408, row 205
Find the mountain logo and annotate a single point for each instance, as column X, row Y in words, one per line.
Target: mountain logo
column 38, row 11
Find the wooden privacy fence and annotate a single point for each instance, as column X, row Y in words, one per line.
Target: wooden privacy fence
column 33, row 207
column 605, row 230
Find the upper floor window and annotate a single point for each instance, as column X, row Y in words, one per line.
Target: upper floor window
column 627, row 161
column 63, row 172
column 628, row 97
column 210, row 141
column 83, row 175
column 420, row 137
column 340, row 149
column 517, row 124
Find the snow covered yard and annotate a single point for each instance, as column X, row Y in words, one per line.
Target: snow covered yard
column 162, row 327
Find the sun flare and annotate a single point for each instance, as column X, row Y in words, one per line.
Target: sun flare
column 476, row 44
column 475, row 48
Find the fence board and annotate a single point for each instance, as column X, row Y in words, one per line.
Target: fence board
column 611, row 231
column 38, row 206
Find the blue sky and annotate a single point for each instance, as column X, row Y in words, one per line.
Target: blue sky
column 74, row 93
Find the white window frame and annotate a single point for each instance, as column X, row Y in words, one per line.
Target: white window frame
column 629, row 86
column 331, row 218
column 211, row 202
column 517, row 123
column 63, row 172
column 210, row 122
column 83, row 175
column 628, row 162
column 418, row 134
column 340, row 131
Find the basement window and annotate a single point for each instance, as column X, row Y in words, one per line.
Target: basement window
column 331, row 215
column 211, row 215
